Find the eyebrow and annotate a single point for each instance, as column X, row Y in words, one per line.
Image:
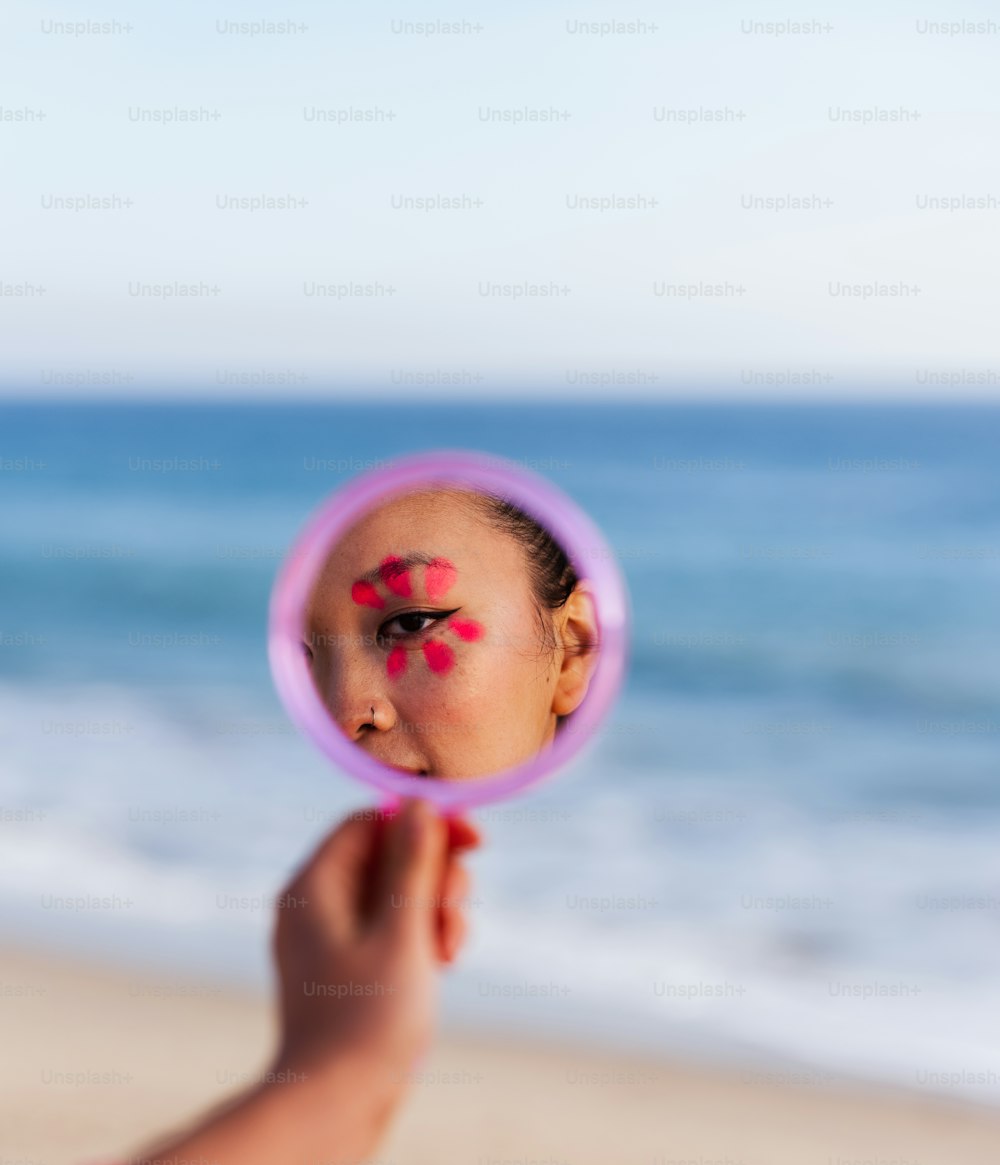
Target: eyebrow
column 406, row 561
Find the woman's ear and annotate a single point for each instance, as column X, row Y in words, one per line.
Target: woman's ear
column 577, row 626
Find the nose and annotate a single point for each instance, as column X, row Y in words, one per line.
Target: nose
column 355, row 696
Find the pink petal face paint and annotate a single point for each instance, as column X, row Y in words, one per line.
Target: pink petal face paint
column 395, row 664
column 395, row 576
column 365, row 595
column 440, row 657
column 439, row 577
column 467, row 629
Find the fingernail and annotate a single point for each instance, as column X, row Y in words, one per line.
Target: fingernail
column 462, row 833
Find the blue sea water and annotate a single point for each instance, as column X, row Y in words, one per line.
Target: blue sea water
column 783, row 847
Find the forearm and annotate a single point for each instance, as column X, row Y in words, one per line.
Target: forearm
column 297, row 1118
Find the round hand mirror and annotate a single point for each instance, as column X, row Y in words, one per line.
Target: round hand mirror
column 451, row 627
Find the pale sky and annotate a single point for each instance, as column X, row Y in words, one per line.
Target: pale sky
column 600, row 238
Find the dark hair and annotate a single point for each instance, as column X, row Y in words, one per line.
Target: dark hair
column 553, row 576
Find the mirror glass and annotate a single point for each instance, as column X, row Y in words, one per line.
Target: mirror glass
column 449, row 626
column 449, row 635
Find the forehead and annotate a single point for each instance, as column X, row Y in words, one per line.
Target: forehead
column 427, row 525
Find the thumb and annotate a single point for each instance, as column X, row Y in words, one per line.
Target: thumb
column 413, row 867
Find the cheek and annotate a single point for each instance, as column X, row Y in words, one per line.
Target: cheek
column 395, row 663
column 467, row 629
column 440, row 657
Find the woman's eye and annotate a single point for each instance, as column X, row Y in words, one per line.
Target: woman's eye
column 410, row 623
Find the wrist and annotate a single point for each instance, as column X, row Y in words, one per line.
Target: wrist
column 335, row 1090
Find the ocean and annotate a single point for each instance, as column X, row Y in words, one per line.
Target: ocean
column 782, row 850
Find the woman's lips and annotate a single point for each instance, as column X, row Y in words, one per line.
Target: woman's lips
column 412, row 770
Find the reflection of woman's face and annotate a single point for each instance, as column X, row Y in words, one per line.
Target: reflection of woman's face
column 424, row 614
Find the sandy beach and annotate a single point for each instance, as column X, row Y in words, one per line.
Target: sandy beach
column 97, row 1061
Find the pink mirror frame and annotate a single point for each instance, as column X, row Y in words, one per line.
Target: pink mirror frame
column 570, row 525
